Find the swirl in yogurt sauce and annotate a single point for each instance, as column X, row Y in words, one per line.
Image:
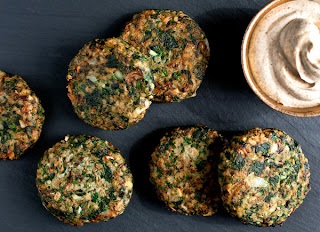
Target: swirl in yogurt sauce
column 284, row 53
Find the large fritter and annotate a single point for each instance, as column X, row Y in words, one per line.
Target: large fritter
column 21, row 117
column 178, row 48
column 84, row 179
column 183, row 170
column 264, row 177
column 110, row 84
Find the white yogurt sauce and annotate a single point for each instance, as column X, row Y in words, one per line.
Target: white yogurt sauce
column 284, row 53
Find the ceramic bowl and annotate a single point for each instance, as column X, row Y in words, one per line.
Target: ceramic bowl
column 293, row 111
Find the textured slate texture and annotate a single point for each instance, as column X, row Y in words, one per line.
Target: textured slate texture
column 37, row 41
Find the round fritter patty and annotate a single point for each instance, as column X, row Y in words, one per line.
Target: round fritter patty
column 84, row 179
column 21, row 117
column 178, row 48
column 183, row 170
column 110, row 84
column 264, row 177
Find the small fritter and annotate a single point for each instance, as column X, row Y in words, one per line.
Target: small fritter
column 84, row 179
column 264, row 177
column 21, row 117
column 178, row 48
column 110, row 84
column 183, row 170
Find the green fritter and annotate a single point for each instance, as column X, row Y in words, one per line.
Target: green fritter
column 84, row 179
column 110, row 84
column 21, row 117
column 178, row 48
column 264, row 177
column 183, row 170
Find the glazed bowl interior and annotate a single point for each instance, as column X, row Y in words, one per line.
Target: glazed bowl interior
column 293, row 111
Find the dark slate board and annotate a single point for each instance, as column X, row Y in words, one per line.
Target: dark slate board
column 37, row 41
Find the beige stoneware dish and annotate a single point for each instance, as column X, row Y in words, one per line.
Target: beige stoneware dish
column 258, row 90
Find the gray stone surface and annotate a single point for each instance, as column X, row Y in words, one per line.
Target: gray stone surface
column 37, row 41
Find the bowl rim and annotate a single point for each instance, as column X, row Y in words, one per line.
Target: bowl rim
column 292, row 111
